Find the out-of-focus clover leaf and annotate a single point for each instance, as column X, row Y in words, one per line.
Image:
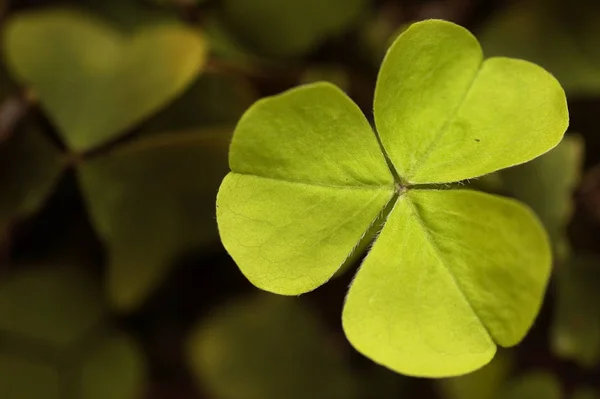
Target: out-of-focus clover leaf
column 481, row 384
column 534, row 31
column 374, row 35
column 213, row 100
column 30, row 165
column 23, row 378
column 267, row 347
column 151, row 201
column 95, row 82
column 547, row 183
column 326, row 73
column 309, row 177
column 225, row 45
column 585, row 392
column 113, row 369
column 583, row 22
column 129, row 15
column 288, row 28
column 53, row 305
column 575, row 333
column 533, row 385
column 54, row 338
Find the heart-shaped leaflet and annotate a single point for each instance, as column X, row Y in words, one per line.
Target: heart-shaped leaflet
column 453, row 273
column 95, row 82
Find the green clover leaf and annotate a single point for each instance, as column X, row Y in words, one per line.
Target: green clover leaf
column 95, row 82
column 453, row 273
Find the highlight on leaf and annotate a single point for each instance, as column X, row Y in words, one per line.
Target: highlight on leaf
column 453, row 273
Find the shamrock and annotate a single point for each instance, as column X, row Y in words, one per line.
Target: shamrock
column 453, row 273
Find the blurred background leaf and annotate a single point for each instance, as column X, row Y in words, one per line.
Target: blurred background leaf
column 288, row 28
column 113, row 369
column 267, row 347
column 52, row 340
column 547, row 185
column 532, row 30
column 576, row 329
column 326, row 73
column 151, row 202
column 482, row 384
column 212, row 100
column 24, row 378
column 30, row 166
column 94, row 82
column 585, row 393
column 130, row 15
column 56, row 306
column 532, row 385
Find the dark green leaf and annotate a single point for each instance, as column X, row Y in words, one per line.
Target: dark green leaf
column 534, row 31
column 152, row 201
column 213, row 100
column 585, row 392
column 328, row 73
column 267, row 347
column 22, row 378
column 289, row 28
column 56, row 306
column 575, row 333
column 54, row 321
column 113, row 369
column 481, row 384
column 533, row 385
column 547, row 184
column 30, row 166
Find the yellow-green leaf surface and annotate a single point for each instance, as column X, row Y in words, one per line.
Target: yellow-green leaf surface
column 114, row 368
column 300, row 195
column 547, row 184
column 481, row 384
column 94, row 82
column 537, row 31
column 291, row 27
column 575, row 333
column 30, row 165
column 267, row 347
column 24, row 378
column 464, row 291
column 452, row 273
column 151, row 202
column 55, row 306
column 533, row 385
column 444, row 114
